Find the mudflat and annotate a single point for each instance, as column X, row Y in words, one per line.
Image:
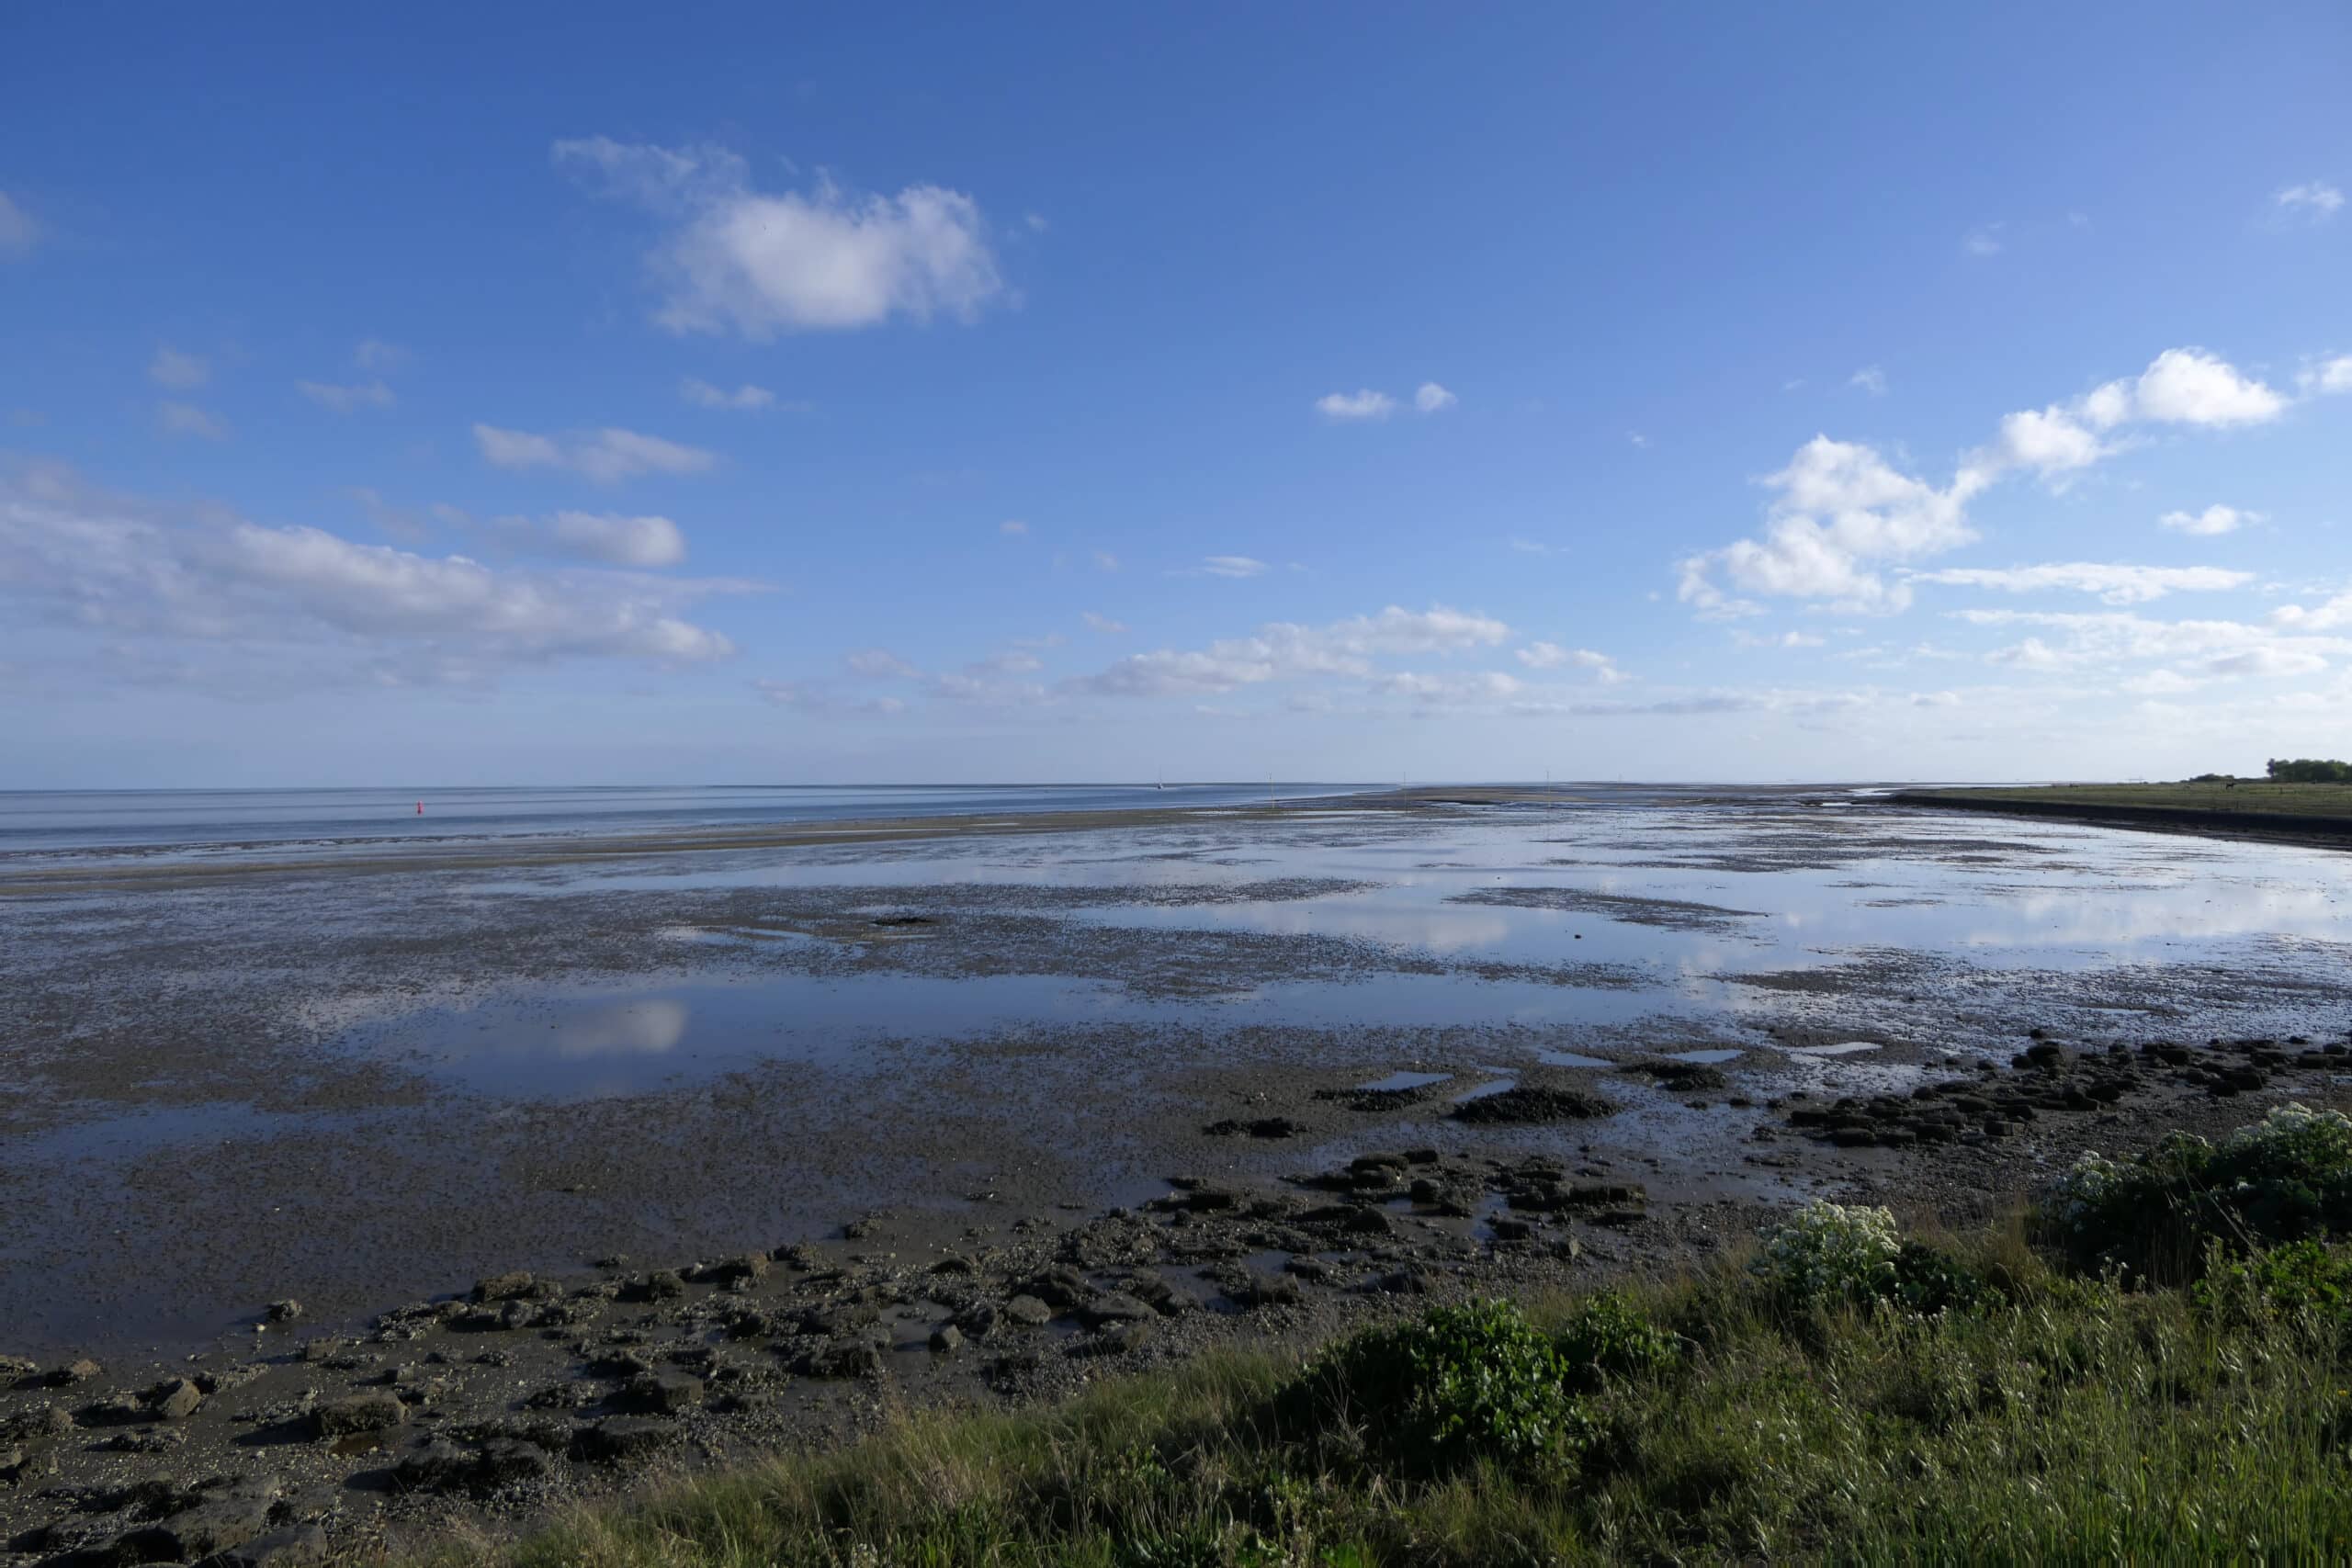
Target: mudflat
column 467, row 1179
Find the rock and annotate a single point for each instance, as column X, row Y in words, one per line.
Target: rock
column 946, row 1339
column 14, row 1368
column 1028, row 1311
column 621, row 1438
column 442, row 1466
column 359, row 1413
column 74, row 1372
column 1525, row 1104
column 174, row 1399
column 200, row 1532
column 286, row 1311
column 1270, row 1289
column 1508, row 1229
column 665, row 1393
column 1261, row 1127
column 752, row 1266
column 1307, row 1266
column 516, row 1286
column 845, row 1359
column 298, row 1546
column 979, row 1320
column 1130, row 1335
column 1114, row 1306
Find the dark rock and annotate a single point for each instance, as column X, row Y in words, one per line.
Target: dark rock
column 200, row 1532
column 1114, row 1306
column 621, row 1438
column 297, row 1546
column 664, row 1393
column 1270, row 1289
column 845, row 1359
column 1261, row 1127
column 946, row 1339
column 1527, row 1104
column 359, row 1413
column 1028, row 1311
column 516, row 1286
column 286, row 1311
column 74, row 1372
column 174, row 1399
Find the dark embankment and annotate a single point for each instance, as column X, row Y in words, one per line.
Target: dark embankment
column 2306, row 813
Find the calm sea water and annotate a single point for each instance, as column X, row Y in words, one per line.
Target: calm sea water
column 50, row 822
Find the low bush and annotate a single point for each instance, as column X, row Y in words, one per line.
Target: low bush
column 1459, row 1386
column 2304, row 1280
column 2286, row 1178
column 1607, row 1336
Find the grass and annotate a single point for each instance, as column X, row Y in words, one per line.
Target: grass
column 2260, row 798
column 2057, row 1417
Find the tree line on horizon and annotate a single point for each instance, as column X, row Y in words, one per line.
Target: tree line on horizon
column 2296, row 769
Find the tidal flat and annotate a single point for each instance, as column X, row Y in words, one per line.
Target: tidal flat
column 1277, row 1065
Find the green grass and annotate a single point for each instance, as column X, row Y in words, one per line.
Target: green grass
column 2257, row 796
column 2056, row 1417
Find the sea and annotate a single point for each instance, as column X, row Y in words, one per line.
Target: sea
column 54, row 823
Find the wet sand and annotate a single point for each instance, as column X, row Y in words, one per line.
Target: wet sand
column 874, row 1053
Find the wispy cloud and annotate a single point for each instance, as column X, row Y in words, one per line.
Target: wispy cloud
column 1103, row 624
column 181, row 372
column 1984, row 240
column 1552, row 656
column 1282, row 650
column 2112, row 583
column 1233, row 566
column 1871, row 379
column 1355, row 406
column 186, row 419
column 1013, row 528
column 18, row 232
column 2213, row 520
column 346, row 400
column 736, row 259
column 1434, row 399
column 604, row 456
column 745, row 399
column 2314, row 199
column 374, row 353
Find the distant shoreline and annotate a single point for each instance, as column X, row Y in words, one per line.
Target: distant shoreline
column 2316, row 816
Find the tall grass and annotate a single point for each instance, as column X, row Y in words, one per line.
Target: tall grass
column 2071, row 1419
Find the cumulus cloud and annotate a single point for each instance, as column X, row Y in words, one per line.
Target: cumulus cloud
column 2328, row 616
column 2211, row 521
column 18, row 232
column 1839, row 510
column 181, row 372
column 603, row 455
column 2314, row 199
column 1364, row 404
column 737, row 259
column 303, row 604
column 1841, row 513
column 1434, row 399
column 2114, row 585
column 2327, row 376
column 745, row 399
column 1232, row 566
column 186, row 419
column 345, row 399
column 1285, row 651
column 618, row 540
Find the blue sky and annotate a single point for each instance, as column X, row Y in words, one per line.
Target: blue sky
column 596, row 395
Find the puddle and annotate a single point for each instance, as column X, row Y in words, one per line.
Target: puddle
column 1571, row 1059
column 1395, row 1082
column 1847, row 1048
column 1497, row 1085
column 1714, row 1058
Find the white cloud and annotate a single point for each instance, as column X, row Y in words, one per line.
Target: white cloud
column 802, row 697
column 1012, row 526
column 283, row 604
column 1105, row 561
column 2114, row 585
column 2211, row 521
column 1552, row 656
column 375, row 354
column 619, row 541
column 181, row 372
column 1103, row 624
column 18, row 232
column 2328, row 616
column 2190, row 386
column 1283, row 650
column 2315, row 199
column 2327, row 376
column 1784, row 639
column 1871, row 379
column 603, row 455
column 743, row 399
column 879, row 664
column 1364, row 404
column 1434, row 399
column 1232, row 566
column 186, row 419
column 1840, row 509
column 1983, row 240
column 343, row 400
column 2216, row 649
column 1467, row 688
column 745, row 261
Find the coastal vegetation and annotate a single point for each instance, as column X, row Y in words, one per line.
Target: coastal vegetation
column 2300, row 798
column 2150, row 1365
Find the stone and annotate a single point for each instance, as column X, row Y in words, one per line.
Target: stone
column 515, row 1286
column 174, row 1399
column 442, row 1466
column 946, row 1339
column 1114, row 1306
column 359, row 1413
column 1028, row 1311
column 1270, row 1289
column 665, row 1393
column 200, row 1532
column 620, row 1437
column 297, row 1546
column 286, row 1311
column 74, row 1372
column 845, row 1359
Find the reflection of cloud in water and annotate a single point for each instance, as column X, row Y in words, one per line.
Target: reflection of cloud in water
column 2201, row 910
column 624, row 1029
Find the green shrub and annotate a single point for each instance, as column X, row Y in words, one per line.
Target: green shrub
column 1461, row 1386
column 2286, row 1178
column 1929, row 1281
column 2301, row 1280
column 1830, row 1253
column 1608, row 1336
